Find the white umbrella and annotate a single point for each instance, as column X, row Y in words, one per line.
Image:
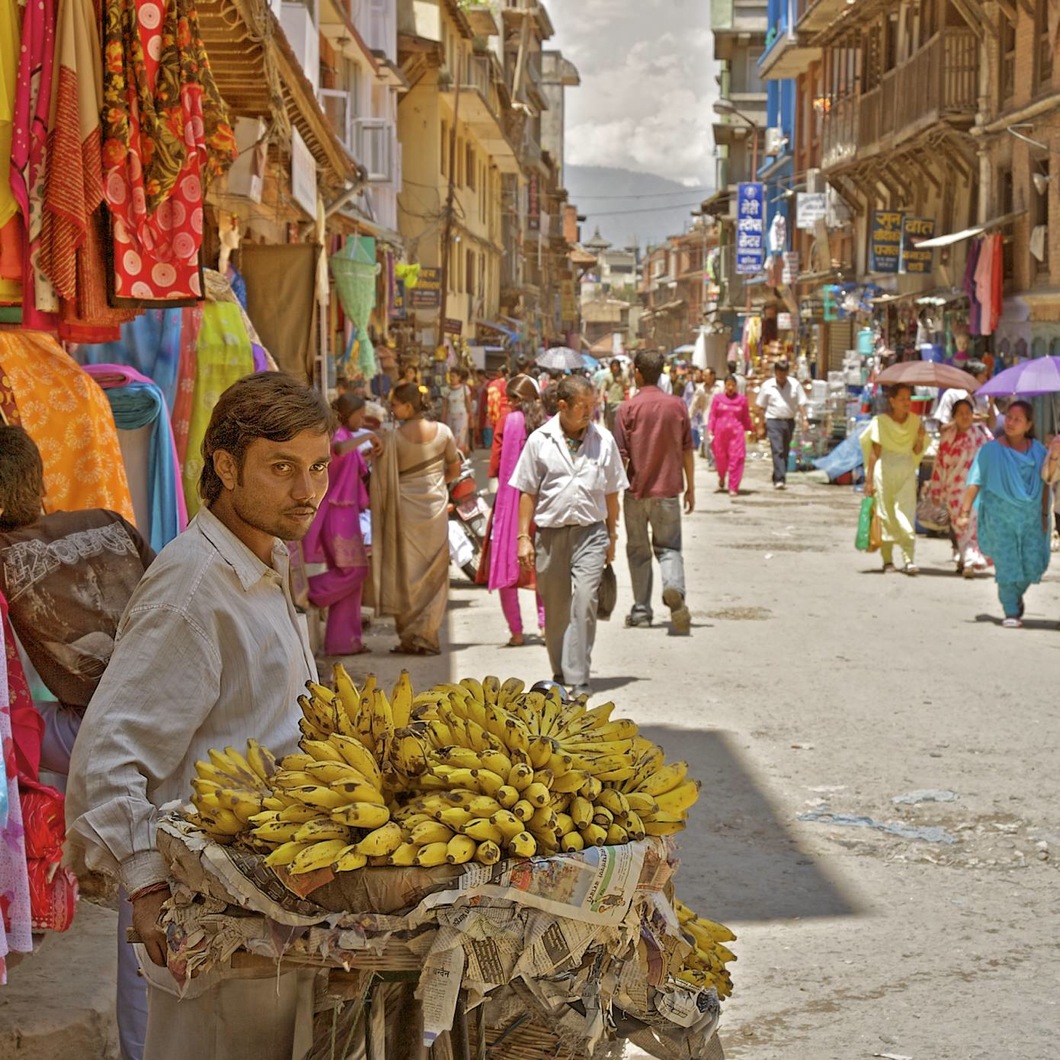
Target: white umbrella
column 699, row 351
column 560, row 359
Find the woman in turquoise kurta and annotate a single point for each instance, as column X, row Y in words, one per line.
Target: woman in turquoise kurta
column 1006, row 486
column 893, row 447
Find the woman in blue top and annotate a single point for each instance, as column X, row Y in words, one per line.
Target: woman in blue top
column 1005, row 484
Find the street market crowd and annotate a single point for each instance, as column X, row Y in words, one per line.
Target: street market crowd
column 144, row 658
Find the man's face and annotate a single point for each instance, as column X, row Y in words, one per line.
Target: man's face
column 574, row 416
column 781, row 374
column 281, row 484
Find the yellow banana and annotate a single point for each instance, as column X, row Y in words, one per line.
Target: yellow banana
column 488, row 782
column 564, row 823
column 285, row 854
column 380, row 841
column 432, row 854
column 508, row 823
column 350, row 860
column 317, row 856
column 298, row 811
column 295, row 762
column 278, row 832
column 522, row 845
column 332, row 772
column 665, row 779
column 455, row 817
column 571, row 842
column 358, row 755
column 460, row 849
column 510, row 688
column 320, row 829
column 315, row 751
column 507, row 796
column 616, row 835
column 524, row 809
column 318, row 795
column 361, row 815
column 488, row 852
column 540, row 750
column 261, row 760
column 537, row 794
column 407, row 754
column 382, row 717
column 594, row 835
column 544, row 819
column 680, row 798
column 581, row 811
column 431, row 832
column 353, row 791
column 346, row 691
column 634, row 826
column 482, row 830
column 491, row 689
column 496, row 762
column 404, row 854
column 641, row 802
column 459, row 757
column 591, row 788
column 401, row 701
column 663, row 827
column 614, row 801
column 570, row 782
column 521, row 777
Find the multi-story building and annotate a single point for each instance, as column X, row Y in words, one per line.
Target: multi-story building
column 928, row 122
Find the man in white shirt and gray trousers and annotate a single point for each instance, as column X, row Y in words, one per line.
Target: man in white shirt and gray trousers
column 570, row 475
column 782, row 399
column 210, row 650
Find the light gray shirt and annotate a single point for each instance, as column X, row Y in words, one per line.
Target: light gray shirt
column 781, row 402
column 570, row 490
column 209, row 651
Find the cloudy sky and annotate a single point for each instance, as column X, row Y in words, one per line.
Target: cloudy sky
column 647, row 86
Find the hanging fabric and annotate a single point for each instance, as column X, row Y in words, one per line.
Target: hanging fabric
column 355, row 269
column 10, row 217
column 28, row 150
column 166, row 134
column 223, row 355
column 69, row 418
column 137, row 403
column 16, row 935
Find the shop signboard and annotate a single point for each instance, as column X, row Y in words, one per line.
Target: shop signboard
column 885, row 246
column 750, row 229
column 427, row 294
column 810, row 207
column 914, row 229
column 452, row 326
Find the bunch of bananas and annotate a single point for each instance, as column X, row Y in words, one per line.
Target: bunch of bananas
column 477, row 770
column 705, row 965
column 229, row 789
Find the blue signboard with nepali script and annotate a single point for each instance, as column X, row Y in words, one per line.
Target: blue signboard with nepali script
column 750, row 229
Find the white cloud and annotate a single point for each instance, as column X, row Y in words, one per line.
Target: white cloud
column 647, row 73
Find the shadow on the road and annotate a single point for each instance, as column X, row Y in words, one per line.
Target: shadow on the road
column 609, row 684
column 1028, row 623
column 739, row 861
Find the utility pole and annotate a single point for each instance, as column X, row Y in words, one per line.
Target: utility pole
column 447, row 232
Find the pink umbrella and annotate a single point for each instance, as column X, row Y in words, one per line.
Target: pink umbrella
column 1040, row 375
column 927, row 373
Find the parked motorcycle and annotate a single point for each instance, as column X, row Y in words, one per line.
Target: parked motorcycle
column 468, row 515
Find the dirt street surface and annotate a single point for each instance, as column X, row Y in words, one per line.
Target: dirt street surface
column 818, row 700
column 813, row 684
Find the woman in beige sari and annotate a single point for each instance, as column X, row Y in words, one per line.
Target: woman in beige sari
column 410, row 536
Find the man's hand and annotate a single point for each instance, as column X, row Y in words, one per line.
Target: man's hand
column 525, row 551
column 611, row 543
column 145, row 913
column 690, row 501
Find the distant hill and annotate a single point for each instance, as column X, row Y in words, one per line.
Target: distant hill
column 630, row 207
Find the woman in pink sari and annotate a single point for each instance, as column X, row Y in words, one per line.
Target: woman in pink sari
column 335, row 538
column 956, row 454
column 526, row 415
column 727, row 426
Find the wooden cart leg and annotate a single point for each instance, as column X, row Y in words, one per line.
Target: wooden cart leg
column 461, row 1041
column 375, row 1024
column 480, row 1024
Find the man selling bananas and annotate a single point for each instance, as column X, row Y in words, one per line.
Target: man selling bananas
column 209, row 650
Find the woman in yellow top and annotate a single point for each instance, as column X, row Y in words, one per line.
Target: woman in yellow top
column 893, row 447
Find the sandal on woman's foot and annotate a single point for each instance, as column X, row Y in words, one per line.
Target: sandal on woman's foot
column 912, row 570
column 516, row 640
column 361, row 649
column 411, row 649
column 889, row 568
column 1011, row 622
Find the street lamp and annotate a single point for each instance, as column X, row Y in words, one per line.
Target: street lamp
column 725, row 106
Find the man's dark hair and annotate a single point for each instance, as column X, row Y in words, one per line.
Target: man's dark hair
column 731, row 365
column 21, row 479
column 571, row 386
column 270, row 405
column 650, row 365
column 522, row 365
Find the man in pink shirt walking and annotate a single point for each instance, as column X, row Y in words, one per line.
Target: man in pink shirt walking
column 654, row 437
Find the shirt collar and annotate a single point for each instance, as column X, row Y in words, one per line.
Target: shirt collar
column 248, row 568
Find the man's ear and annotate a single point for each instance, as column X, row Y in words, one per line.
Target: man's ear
column 224, row 463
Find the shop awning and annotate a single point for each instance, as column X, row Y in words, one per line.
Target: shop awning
column 971, row 233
